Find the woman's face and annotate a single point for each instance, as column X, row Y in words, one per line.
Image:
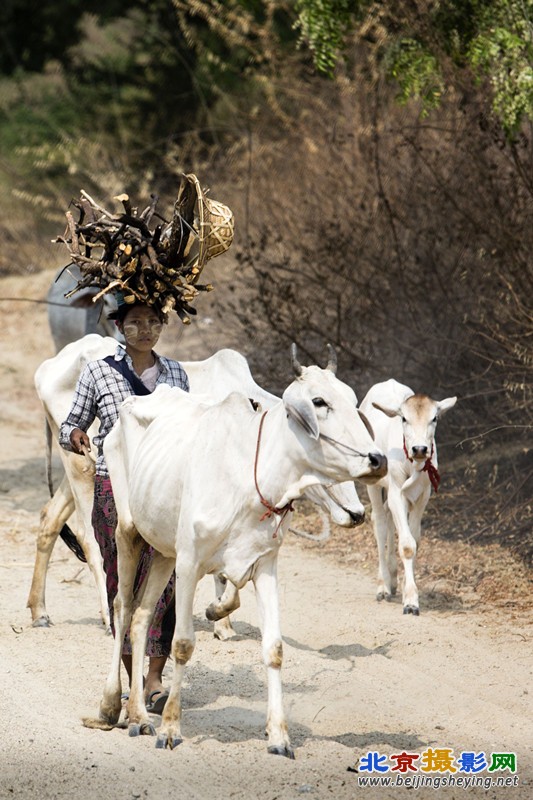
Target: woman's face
column 141, row 328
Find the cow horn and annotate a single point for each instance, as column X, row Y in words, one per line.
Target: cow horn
column 297, row 367
column 332, row 363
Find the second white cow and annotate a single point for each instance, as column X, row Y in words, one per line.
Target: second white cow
column 55, row 379
column 404, row 425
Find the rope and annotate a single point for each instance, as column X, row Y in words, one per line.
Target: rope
column 341, row 444
column 284, row 510
column 31, row 300
column 429, row 467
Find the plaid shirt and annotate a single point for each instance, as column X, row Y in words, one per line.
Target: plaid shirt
column 100, row 391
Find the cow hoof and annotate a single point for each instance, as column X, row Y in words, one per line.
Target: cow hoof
column 108, row 714
column 42, row 622
column 142, row 729
column 97, row 723
column 414, row 610
column 213, row 614
column 223, row 634
column 281, row 750
column 383, row 596
column 164, row 741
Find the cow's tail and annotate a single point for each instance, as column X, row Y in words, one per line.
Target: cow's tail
column 72, row 543
column 48, row 434
column 66, row 533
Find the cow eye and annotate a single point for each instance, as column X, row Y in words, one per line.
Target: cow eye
column 404, row 420
column 319, row 402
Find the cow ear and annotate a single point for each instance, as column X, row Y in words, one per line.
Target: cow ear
column 390, row 412
column 445, row 405
column 301, row 409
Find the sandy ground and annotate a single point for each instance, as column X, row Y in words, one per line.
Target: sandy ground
column 358, row 676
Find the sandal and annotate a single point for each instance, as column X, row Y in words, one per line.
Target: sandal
column 156, row 701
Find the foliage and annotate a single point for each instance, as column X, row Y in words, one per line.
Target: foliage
column 151, row 77
column 417, row 73
column 417, row 42
column 503, row 50
column 325, row 25
column 32, row 34
column 120, row 93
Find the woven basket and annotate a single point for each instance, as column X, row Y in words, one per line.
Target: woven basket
column 216, row 227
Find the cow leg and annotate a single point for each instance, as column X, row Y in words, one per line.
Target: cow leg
column 83, row 490
column 129, row 545
column 392, row 560
column 227, row 601
column 266, row 589
column 410, row 601
column 382, row 532
column 53, row 516
column 182, row 649
column 407, row 550
column 157, row 577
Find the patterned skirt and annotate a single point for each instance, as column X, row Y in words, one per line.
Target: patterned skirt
column 104, row 520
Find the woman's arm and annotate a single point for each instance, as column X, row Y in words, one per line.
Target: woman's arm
column 73, row 431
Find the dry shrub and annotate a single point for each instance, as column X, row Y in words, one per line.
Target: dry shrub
column 404, row 242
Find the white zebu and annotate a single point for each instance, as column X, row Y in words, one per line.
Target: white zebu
column 55, row 379
column 404, row 425
column 197, row 482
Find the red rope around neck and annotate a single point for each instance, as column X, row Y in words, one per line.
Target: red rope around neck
column 428, row 467
column 270, row 508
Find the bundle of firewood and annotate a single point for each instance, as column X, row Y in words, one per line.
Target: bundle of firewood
column 145, row 257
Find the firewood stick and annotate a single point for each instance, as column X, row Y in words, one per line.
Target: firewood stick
column 88, row 210
column 110, row 287
column 183, row 316
column 75, row 245
column 149, row 211
column 95, row 204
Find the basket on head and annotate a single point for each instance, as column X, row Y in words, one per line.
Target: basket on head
column 215, row 227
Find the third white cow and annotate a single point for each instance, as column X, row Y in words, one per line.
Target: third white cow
column 404, row 425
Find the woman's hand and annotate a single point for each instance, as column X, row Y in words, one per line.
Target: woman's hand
column 79, row 439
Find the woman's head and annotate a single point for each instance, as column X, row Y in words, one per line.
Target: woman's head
column 140, row 324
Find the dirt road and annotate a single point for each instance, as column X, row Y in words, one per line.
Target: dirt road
column 359, row 677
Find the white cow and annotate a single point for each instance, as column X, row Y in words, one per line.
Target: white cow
column 407, row 436
column 55, row 380
column 210, row 488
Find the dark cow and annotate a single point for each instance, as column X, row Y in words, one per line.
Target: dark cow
column 73, row 317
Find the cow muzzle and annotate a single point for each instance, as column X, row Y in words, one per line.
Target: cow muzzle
column 419, row 452
column 356, row 517
column 378, row 468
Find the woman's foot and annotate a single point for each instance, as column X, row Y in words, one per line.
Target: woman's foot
column 154, row 692
column 155, row 702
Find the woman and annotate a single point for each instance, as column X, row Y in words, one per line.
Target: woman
column 101, row 388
